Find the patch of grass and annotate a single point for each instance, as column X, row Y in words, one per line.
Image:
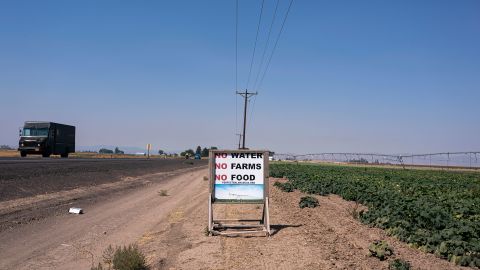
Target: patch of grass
column 129, row 258
column 354, row 211
column 308, row 201
column 98, row 267
column 163, row 192
column 380, row 249
column 399, row 264
column 108, row 256
column 122, row 258
column 205, row 178
column 206, row 231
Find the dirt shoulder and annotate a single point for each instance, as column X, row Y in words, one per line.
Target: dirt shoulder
column 75, row 241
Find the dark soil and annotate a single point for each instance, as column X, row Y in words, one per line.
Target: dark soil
column 25, row 178
column 83, row 180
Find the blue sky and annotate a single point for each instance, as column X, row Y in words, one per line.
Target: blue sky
column 374, row 76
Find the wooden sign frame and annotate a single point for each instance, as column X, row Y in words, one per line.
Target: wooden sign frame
column 238, row 226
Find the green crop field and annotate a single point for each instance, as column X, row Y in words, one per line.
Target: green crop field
column 435, row 211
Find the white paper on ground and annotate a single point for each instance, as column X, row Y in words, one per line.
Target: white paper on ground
column 75, row 210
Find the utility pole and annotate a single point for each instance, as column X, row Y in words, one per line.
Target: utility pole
column 239, row 139
column 246, row 95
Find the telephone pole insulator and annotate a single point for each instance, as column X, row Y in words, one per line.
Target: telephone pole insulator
column 246, row 95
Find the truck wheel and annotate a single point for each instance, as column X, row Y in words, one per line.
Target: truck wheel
column 64, row 155
column 45, row 154
column 23, row 154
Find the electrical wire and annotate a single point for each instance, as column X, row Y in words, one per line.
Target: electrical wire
column 266, row 45
column 271, row 55
column 255, row 44
column 276, row 43
column 236, row 46
column 236, row 67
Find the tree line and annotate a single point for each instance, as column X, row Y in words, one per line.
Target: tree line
column 203, row 152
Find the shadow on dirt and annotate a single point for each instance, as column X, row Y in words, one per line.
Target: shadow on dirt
column 278, row 227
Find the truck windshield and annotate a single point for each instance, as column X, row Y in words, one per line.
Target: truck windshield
column 42, row 132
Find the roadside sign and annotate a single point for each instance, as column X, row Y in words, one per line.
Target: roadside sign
column 238, row 177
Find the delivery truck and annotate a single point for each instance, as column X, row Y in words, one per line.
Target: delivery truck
column 46, row 138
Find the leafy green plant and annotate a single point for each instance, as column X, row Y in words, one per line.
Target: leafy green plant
column 285, row 187
column 380, row 249
column 399, row 264
column 308, row 201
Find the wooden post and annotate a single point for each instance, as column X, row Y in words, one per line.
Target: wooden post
column 210, row 213
column 267, row 217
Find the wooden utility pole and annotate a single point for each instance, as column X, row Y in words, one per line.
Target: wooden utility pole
column 239, row 139
column 246, row 95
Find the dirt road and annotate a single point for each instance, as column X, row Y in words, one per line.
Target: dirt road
column 170, row 230
column 74, row 241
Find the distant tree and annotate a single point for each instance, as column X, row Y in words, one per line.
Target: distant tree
column 213, row 148
column 5, row 147
column 118, row 151
column 205, row 152
column 189, row 152
column 199, row 150
column 161, row 152
column 105, row 151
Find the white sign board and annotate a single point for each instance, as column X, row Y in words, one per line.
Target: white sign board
column 239, row 176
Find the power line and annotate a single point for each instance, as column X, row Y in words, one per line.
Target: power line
column 266, row 45
column 236, row 66
column 276, row 43
column 255, row 45
column 236, row 46
column 271, row 55
column 263, row 60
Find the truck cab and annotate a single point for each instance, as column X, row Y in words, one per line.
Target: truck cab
column 46, row 138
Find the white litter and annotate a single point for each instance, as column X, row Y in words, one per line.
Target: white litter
column 75, row 210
